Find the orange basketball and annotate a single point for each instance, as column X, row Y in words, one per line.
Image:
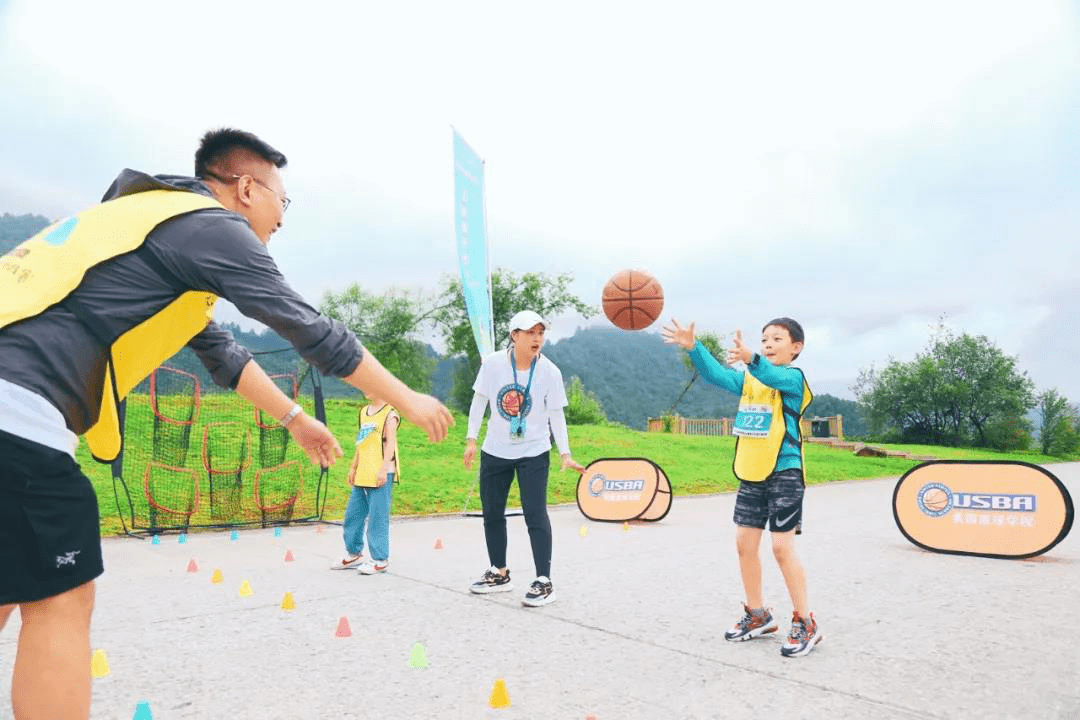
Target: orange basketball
column 935, row 499
column 633, row 299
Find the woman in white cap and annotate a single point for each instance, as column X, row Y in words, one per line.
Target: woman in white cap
column 525, row 392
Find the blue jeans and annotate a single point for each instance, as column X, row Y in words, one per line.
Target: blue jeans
column 373, row 505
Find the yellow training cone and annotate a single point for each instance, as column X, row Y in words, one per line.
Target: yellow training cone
column 499, row 697
column 582, row 531
column 99, row 666
column 626, row 527
column 245, row 589
column 217, row 577
column 287, row 602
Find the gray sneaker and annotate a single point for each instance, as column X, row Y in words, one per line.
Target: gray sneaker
column 753, row 624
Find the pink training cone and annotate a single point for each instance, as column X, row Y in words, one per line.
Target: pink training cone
column 289, row 556
column 438, row 543
column 343, row 629
column 192, row 566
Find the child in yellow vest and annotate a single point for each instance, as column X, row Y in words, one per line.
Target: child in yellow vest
column 374, row 469
column 769, row 465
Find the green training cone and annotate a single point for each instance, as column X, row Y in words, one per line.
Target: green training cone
column 418, row 657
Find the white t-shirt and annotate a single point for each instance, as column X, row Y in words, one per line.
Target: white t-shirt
column 26, row 414
column 546, row 393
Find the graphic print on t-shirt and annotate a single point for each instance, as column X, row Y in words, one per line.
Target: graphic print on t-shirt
column 509, row 401
column 365, row 430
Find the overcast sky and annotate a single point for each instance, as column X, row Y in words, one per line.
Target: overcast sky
column 863, row 167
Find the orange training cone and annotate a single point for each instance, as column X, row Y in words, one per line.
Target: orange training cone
column 287, row 602
column 99, row 666
column 343, row 629
column 499, row 697
column 192, row 566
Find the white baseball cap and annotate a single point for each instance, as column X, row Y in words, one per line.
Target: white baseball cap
column 527, row 319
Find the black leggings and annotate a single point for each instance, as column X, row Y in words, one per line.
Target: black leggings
column 496, row 475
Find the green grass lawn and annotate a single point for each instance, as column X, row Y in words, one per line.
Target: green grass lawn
column 434, row 480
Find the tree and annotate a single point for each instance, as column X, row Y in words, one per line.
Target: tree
column 387, row 326
column 1057, row 426
column 952, row 392
column 510, row 293
column 980, row 381
column 712, row 343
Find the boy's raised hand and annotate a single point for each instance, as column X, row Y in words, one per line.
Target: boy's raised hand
column 676, row 334
column 739, row 352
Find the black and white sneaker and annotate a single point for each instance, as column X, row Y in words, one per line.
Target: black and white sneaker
column 492, row 581
column 540, row 593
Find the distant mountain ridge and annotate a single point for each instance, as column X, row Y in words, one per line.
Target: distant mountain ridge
column 14, row 229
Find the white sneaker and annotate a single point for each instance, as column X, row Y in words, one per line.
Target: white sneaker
column 375, row 566
column 348, row 562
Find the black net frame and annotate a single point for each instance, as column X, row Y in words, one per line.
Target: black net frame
column 238, row 467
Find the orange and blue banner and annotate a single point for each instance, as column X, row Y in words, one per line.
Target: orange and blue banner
column 990, row 508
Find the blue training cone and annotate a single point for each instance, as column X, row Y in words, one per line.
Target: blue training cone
column 142, row 712
column 277, row 532
column 235, row 535
column 156, row 540
column 182, row 539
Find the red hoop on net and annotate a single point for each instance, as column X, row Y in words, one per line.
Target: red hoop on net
column 184, row 472
column 245, row 461
column 287, row 502
column 154, row 396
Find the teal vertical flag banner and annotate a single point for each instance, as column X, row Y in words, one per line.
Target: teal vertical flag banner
column 470, row 225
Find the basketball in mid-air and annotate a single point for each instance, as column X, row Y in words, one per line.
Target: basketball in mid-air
column 633, row 299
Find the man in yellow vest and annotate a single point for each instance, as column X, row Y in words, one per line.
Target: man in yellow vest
column 88, row 308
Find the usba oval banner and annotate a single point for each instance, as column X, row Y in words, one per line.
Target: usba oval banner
column 622, row 489
column 990, row 508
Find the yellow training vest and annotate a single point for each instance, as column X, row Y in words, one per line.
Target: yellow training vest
column 369, row 448
column 48, row 267
column 755, row 457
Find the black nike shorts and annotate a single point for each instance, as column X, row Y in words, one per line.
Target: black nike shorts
column 50, row 541
column 777, row 500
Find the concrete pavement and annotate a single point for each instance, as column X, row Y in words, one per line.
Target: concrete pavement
column 636, row 631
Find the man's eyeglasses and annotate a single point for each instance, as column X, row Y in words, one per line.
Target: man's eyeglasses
column 285, row 201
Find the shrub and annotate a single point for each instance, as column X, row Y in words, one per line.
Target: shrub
column 1008, row 434
column 583, row 408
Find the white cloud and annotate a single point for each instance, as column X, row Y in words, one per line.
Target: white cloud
column 861, row 167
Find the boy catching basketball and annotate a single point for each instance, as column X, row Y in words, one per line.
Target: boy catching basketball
column 769, row 466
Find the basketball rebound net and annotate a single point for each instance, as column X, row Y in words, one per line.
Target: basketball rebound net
column 197, row 456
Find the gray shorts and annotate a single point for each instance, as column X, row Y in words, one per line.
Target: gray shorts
column 776, row 500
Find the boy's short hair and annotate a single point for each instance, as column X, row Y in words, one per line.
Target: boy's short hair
column 792, row 326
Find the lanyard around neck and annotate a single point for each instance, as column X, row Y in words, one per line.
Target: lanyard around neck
column 532, row 368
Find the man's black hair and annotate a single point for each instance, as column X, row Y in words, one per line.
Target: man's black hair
column 216, row 144
column 793, row 327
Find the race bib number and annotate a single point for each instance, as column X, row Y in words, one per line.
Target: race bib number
column 753, row 421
